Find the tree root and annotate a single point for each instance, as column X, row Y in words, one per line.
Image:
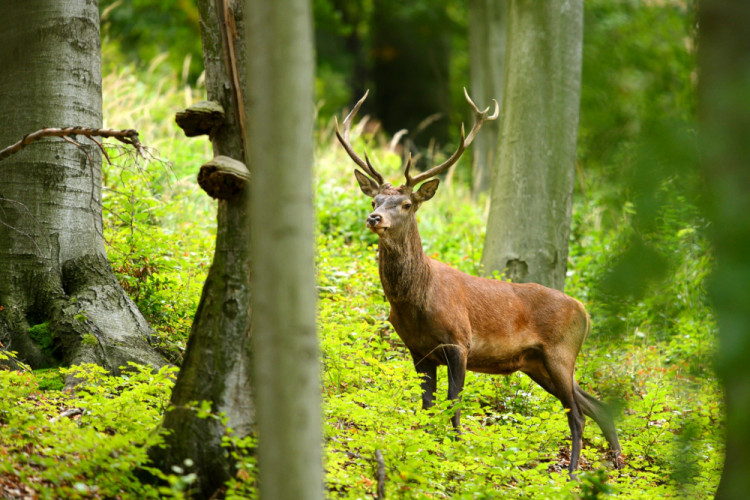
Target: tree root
column 83, row 316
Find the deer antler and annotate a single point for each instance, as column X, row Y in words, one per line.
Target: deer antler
column 479, row 118
column 344, row 140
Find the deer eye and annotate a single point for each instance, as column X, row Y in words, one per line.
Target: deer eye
column 373, row 203
column 406, row 206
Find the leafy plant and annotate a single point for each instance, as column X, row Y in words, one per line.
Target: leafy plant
column 86, row 445
column 42, row 335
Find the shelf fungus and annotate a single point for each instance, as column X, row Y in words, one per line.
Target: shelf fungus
column 223, row 177
column 202, row 118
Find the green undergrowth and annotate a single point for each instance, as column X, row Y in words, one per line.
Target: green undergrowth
column 653, row 370
column 649, row 357
column 55, row 444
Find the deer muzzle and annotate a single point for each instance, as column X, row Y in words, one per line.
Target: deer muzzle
column 376, row 224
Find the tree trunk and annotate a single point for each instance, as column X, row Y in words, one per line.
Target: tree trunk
column 59, row 299
column 280, row 155
column 532, row 189
column 218, row 361
column 724, row 114
column 487, row 62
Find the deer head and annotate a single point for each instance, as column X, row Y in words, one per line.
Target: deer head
column 394, row 208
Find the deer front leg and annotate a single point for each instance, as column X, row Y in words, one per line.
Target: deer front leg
column 455, row 357
column 427, row 370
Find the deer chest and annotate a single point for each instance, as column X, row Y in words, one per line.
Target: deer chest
column 422, row 332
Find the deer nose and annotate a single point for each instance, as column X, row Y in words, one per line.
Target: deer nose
column 374, row 219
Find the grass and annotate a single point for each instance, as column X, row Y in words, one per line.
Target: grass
column 650, row 357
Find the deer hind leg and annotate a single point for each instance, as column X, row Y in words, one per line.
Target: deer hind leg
column 539, row 374
column 427, row 370
column 561, row 377
column 595, row 409
column 455, row 358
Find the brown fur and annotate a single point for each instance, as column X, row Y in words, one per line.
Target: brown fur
column 446, row 317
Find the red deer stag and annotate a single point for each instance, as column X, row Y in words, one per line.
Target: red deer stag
column 446, row 317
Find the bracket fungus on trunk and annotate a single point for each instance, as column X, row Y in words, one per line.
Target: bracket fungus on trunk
column 202, row 118
column 223, row 177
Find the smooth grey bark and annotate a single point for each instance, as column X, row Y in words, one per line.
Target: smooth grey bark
column 218, row 361
column 54, row 273
column 279, row 90
column 486, row 63
column 532, row 189
column 724, row 119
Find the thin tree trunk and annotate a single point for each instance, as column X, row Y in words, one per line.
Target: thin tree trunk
column 280, row 155
column 218, row 362
column 55, row 279
column 724, row 114
column 532, row 189
column 487, row 61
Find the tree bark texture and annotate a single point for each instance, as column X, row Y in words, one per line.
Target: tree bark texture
column 218, row 361
column 55, row 280
column 724, row 116
column 532, row 189
column 486, row 63
column 279, row 87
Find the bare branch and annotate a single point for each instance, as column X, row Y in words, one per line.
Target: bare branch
column 101, row 148
column 127, row 136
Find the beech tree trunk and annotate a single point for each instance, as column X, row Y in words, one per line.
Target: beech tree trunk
column 280, row 96
column 532, row 189
column 218, row 361
column 55, row 279
column 724, row 116
column 487, row 62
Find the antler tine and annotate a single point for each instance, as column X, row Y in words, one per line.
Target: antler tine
column 406, row 170
column 371, row 170
column 479, row 118
column 344, row 140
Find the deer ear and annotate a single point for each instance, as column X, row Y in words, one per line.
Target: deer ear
column 426, row 190
column 367, row 185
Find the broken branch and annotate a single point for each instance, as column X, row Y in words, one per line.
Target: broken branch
column 128, row 136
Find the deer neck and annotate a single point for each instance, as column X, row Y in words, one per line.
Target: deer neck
column 404, row 268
